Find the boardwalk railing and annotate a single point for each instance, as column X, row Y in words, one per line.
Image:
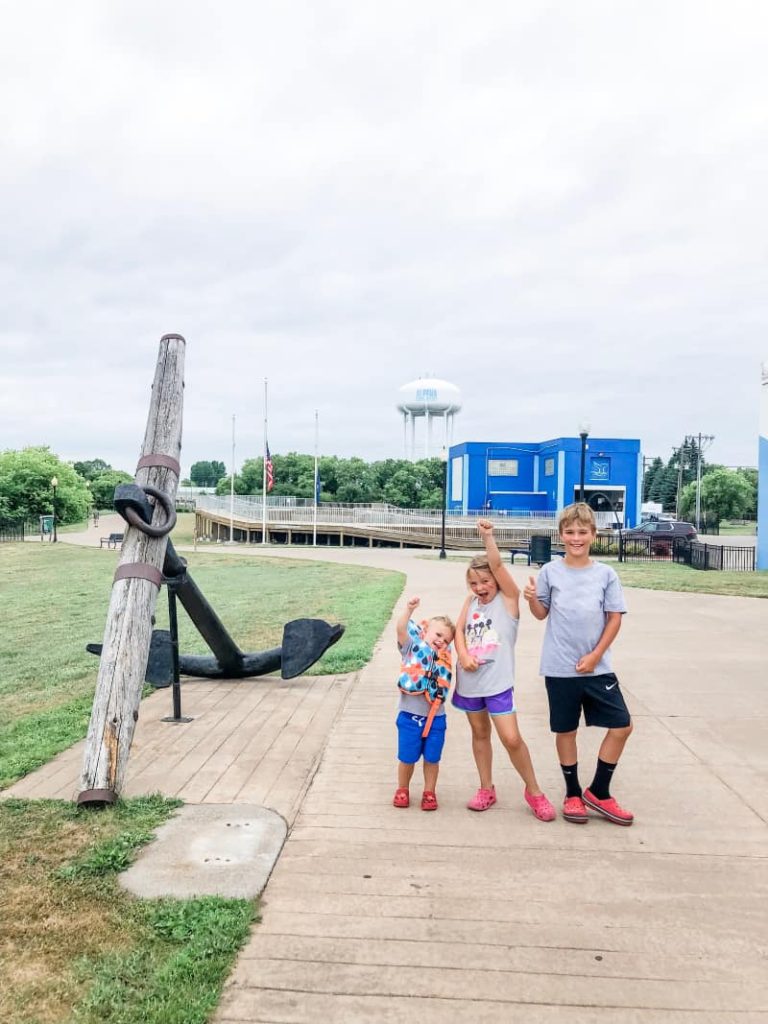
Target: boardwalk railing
column 376, row 523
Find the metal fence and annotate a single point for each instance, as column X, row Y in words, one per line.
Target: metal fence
column 726, row 557
column 696, row 554
column 11, row 532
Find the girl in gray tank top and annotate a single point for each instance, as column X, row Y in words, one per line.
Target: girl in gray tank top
column 485, row 638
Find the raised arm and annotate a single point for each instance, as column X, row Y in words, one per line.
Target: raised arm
column 501, row 574
column 402, row 623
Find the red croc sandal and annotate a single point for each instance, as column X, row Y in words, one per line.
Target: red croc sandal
column 428, row 801
column 402, row 798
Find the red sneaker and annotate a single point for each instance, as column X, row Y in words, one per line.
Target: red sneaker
column 574, row 810
column 540, row 806
column 609, row 809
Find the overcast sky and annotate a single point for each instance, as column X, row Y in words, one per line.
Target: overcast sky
column 559, row 207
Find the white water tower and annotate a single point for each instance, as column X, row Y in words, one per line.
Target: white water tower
column 432, row 399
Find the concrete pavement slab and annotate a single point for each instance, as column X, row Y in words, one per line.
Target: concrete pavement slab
column 209, row 849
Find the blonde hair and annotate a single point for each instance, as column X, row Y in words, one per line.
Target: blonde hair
column 479, row 562
column 580, row 513
column 445, row 621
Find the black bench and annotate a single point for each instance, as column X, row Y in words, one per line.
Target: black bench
column 526, row 551
column 112, row 540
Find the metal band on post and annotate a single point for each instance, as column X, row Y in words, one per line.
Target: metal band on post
column 138, row 571
column 159, row 460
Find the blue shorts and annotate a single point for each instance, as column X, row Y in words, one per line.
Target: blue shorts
column 499, row 704
column 411, row 745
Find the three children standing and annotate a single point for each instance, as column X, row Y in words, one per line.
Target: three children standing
column 583, row 604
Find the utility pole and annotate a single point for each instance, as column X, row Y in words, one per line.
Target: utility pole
column 702, row 439
column 680, row 465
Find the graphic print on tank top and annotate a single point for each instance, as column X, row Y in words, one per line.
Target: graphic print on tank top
column 481, row 638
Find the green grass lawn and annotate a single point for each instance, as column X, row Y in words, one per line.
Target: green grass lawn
column 670, row 576
column 76, row 948
column 54, row 600
column 736, row 529
column 667, row 575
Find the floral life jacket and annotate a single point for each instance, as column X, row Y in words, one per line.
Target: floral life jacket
column 425, row 671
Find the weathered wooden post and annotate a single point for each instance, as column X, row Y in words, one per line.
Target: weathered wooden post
column 128, row 630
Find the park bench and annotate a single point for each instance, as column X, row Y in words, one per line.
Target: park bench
column 112, row 540
column 526, row 552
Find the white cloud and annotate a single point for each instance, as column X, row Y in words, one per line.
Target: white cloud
column 559, row 207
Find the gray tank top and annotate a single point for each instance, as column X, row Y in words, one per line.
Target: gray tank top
column 490, row 634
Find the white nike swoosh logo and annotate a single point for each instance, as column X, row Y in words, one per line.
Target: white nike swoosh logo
column 611, row 686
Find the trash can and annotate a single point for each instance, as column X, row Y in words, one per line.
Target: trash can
column 541, row 548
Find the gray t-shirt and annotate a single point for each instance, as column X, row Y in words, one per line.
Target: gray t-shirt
column 578, row 600
column 490, row 634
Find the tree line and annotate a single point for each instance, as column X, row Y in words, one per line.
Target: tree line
column 26, row 476
column 26, row 490
column 26, row 486
column 395, row 481
column 725, row 493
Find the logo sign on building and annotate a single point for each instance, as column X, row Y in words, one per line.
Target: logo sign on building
column 599, row 469
column 426, row 394
column 502, row 467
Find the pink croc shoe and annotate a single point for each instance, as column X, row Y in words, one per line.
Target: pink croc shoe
column 402, row 798
column 540, row 806
column 609, row 809
column 483, row 799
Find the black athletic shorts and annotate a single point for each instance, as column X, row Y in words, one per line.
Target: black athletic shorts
column 600, row 696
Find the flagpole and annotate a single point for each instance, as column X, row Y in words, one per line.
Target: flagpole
column 232, row 488
column 314, row 517
column 264, row 474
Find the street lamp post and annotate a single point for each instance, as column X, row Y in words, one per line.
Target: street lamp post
column 583, row 434
column 604, row 497
column 54, row 485
column 444, row 460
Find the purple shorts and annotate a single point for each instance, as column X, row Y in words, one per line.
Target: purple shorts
column 499, row 704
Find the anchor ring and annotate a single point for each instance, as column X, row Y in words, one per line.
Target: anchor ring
column 170, row 513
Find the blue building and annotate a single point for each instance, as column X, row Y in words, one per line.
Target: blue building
column 545, row 476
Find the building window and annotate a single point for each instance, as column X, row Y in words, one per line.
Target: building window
column 502, row 467
column 549, row 467
column 457, row 479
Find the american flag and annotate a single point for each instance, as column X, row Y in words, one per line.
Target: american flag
column 269, row 469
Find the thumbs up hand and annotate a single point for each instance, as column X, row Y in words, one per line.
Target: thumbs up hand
column 529, row 591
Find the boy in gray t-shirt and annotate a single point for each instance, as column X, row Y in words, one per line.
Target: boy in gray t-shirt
column 583, row 603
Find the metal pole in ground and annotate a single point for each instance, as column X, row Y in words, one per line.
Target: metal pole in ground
column 173, row 625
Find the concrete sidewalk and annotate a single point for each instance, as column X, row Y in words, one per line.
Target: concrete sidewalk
column 377, row 914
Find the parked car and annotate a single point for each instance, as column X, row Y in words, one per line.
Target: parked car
column 658, row 536
column 664, row 529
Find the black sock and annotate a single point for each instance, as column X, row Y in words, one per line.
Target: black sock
column 601, row 784
column 571, row 776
